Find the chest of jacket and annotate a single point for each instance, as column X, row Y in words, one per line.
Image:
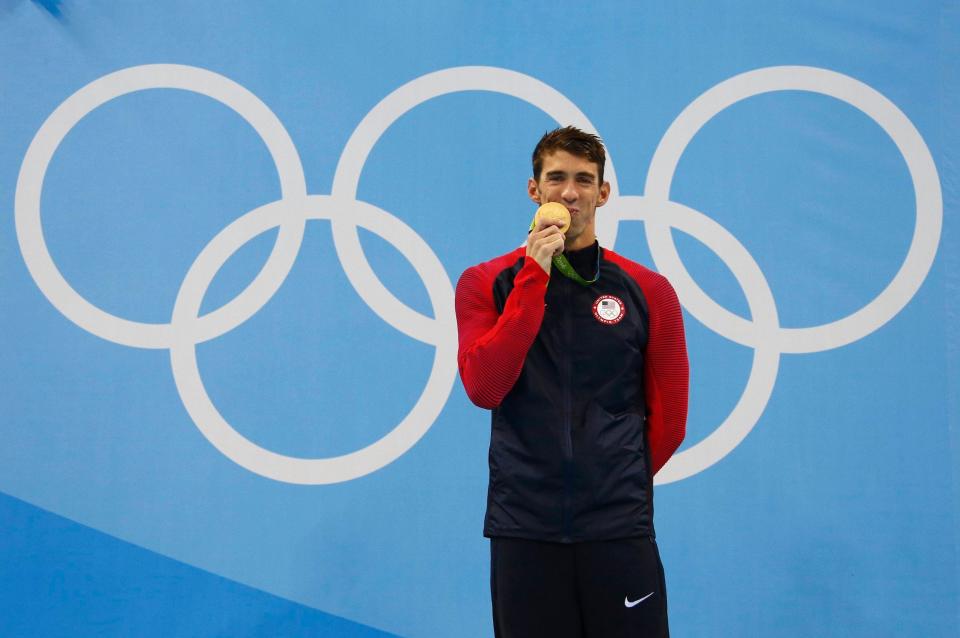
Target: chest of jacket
column 568, row 458
column 589, row 348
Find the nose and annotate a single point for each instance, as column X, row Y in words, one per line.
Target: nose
column 569, row 193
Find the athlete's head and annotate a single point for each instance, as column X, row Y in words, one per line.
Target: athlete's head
column 568, row 168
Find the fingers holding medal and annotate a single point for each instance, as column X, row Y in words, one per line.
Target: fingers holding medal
column 546, row 238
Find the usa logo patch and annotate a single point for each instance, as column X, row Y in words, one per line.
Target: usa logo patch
column 609, row 309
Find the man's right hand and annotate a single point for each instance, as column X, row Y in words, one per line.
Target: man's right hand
column 543, row 242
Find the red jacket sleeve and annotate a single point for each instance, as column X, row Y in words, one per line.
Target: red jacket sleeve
column 666, row 371
column 493, row 345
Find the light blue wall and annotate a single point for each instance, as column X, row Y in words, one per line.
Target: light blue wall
column 835, row 515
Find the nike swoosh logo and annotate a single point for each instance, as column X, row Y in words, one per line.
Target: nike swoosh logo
column 627, row 603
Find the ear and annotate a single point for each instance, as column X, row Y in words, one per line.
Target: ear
column 533, row 191
column 604, row 193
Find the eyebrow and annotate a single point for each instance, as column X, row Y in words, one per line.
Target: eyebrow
column 592, row 176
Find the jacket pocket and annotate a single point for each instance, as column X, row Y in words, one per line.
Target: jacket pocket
column 612, row 433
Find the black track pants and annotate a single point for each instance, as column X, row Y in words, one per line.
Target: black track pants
column 603, row 589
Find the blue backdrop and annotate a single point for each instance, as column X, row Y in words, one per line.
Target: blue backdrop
column 229, row 240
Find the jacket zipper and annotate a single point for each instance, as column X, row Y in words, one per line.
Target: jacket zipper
column 567, row 414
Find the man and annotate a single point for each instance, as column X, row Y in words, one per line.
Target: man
column 580, row 355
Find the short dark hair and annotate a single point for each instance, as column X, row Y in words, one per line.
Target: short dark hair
column 573, row 141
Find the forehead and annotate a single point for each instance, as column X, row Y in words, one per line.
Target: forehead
column 562, row 161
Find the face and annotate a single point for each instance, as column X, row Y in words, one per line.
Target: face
column 574, row 182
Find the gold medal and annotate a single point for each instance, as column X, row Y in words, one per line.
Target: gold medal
column 554, row 212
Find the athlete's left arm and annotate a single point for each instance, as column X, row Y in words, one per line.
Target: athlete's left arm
column 666, row 372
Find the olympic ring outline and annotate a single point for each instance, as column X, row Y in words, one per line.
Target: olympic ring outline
column 56, row 127
column 291, row 469
column 389, row 110
column 186, row 329
column 923, row 173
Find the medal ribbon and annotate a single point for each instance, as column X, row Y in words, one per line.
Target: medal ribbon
column 563, row 265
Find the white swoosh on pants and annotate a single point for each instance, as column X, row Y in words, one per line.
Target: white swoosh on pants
column 627, row 603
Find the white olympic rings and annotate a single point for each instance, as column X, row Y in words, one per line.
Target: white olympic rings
column 187, row 328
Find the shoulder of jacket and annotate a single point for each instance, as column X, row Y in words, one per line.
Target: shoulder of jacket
column 491, row 268
column 650, row 281
column 636, row 270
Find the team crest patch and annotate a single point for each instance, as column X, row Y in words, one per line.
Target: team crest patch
column 609, row 309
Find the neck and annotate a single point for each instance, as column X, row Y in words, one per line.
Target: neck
column 581, row 241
